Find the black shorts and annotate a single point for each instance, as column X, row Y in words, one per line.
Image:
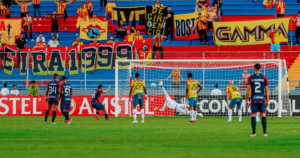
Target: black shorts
column 210, row 25
column 36, row 6
column 54, row 29
column 2, row 55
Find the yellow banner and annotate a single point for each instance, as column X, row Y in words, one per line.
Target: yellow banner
column 249, row 32
column 10, row 30
column 92, row 30
column 184, row 24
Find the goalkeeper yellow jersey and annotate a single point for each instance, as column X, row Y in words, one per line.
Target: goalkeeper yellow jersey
column 192, row 88
column 137, row 86
column 234, row 92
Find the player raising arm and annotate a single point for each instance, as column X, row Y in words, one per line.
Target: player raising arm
column 258, row 84
column 96, row 104
column 191, row 94
column 173, row 104
column 236, row 99
column 52, row 95
column 66, row 99
column 137, row 86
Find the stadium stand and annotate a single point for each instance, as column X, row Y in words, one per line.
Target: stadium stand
column 234, row 10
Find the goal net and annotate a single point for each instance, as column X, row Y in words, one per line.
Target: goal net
column 209, row 73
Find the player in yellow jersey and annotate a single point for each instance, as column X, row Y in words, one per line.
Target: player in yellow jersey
column 138, row 87
column 236, row 99
column 191, row 95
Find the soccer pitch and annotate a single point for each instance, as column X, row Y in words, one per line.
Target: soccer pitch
column 167, row 137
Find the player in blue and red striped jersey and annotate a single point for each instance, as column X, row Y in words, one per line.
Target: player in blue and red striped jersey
column 52, row 94
column 258, row 84
column 97, row 104
column 66, row 99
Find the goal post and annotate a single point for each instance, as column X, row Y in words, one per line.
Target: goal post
column 210, row 73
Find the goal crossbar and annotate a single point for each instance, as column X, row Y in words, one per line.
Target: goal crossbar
column 278, row 61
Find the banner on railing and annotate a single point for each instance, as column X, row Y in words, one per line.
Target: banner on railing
column 57, row 60
column 10, row 30
column 155, row 20
column 81, row 106
column 184, row 24
column 249, row 32
column 93, row 30
column 131, row 16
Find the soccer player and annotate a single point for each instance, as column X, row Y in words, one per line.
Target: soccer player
column 258, row 84
column 66, row 99
column 137, row 86
column 173, row 104
column 191, row 95
column 97, row 104
column 52, row 95
column 236, row 99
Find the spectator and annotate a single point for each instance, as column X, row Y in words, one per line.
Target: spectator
column 7, row 3
column 40, row 45
column 176, row 78
column 275, row 40
column 77, row 43
column 101, row 3
column 24, row 8
column 218, row 4
column 27, row 25
column 61, row 9
column 138, row 36
column 53, row 42
column 94, row 41
column 94, row 18
column 121, row 30
column 169, row 16
column 89, row 7
column 40, row 36
column 108, row 8
column 1, row 8
column 216, row 91
column 280, row 5
column 211, row 17
column 14, row 91
column 83, row 15
column 244, row 80
column 201, row 28
column 158, row 4
column 204, row 6
column 34, row 89
column 130, row 36
column 20, row 42
column 297, row 19
column 111, row 40
column 37, row 7
column 54, row 26
column 198, row 6
column 4, row 90
column 158, row 45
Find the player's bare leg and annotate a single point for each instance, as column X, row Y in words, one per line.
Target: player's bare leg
column 134, row 112
column 240, row 115
column 47, row 112
column 105, row 114
column 54, row 114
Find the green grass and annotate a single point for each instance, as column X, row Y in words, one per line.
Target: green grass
column 166, row 137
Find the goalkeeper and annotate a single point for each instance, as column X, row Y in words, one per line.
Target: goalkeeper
column 173, row 104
